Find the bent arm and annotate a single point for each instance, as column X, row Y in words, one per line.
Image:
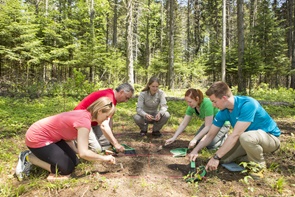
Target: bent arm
column 179, row 130
column 204, row 131
column 182, row 126
column 107, row 132
column 206, row 140
column 84, row 152
column 232, row 139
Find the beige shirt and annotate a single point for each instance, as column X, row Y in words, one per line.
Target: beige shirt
column 148, row 104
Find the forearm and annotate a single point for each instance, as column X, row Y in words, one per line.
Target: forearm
column 206, row 140
column 202, row 133
column 91, row 156
column 227, row 145
column 179, row 130
column 72, row 145
column 109, row 135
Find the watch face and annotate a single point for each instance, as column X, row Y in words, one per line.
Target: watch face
column 216, row 157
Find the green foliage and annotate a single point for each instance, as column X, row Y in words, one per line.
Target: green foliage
column 78, row 86
column 251, row 167
column 279, row 185
column 18, row 115
column 264, row 92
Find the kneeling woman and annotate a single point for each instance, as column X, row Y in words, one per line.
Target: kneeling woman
column 51, row 145
column 204, row 109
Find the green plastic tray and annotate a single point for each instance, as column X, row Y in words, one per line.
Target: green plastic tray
column 179, row 152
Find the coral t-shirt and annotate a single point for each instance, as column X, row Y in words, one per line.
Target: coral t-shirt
column 88, row 100
column 62, row 126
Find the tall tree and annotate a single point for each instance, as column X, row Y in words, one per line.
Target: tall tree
column 291, row 39
column 223, row 66
column 241, row 64
column 171, row 46
column 147, row 40
column 115, row 23
column 129, row 48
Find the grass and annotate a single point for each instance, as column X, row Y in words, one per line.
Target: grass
column 16, row 115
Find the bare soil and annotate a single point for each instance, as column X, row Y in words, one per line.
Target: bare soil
column 155, row 172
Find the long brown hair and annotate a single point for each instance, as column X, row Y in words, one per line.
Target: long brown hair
column 151, row 80
column 194, row 93
column 104, row 104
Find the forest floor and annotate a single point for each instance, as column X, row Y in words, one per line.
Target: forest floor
column 154, row 172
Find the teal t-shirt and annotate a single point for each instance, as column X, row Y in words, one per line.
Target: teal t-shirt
column 247, row 109
column 206, row 109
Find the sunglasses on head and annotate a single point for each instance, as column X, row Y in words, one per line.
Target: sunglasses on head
column 109, row 104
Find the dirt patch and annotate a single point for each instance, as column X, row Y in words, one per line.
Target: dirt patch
column 153, row 171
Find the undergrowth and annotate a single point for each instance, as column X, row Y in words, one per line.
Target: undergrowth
column 16, row 115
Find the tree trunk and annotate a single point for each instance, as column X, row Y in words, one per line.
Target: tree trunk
column 92, row 16
column 115, row 20
column 292, row 42
column 147, row 41
column 129, row 48
column 171, row 46
column 241, row 80
column 223, row 66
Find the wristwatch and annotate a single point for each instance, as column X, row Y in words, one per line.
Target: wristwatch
column 216, row 157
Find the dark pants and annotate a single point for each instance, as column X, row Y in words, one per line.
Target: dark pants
column 59, row 155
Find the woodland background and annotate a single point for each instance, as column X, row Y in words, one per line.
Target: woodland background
column 67, row 46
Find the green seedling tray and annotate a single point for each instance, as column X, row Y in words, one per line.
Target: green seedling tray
column 179, row 152
column 128, row 150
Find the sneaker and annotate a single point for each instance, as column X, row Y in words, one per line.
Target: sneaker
column 23, row 166
column 257, row 175
column 157, row 133
column 143, row 133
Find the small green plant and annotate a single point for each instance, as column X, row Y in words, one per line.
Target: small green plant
column 273, row 167
column 198, row 175
column 251, row 167
column 143, row 182
column 279, row 185
column 245, row 180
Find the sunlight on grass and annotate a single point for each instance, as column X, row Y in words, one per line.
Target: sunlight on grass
column 16, row 115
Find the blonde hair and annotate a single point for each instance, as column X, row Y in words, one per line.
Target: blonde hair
column 103, row 104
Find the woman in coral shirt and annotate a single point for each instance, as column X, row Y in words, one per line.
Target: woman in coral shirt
column 50, row 141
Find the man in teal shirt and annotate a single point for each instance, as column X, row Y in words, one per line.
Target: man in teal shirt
column 254, row 131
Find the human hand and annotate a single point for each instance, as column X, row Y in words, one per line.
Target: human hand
column 157, row 117
column 110, row 159
column 212, row 164
column 192, row 144
column 193, row 156
column 119, row 148
column 169, row 141
column 149, row 117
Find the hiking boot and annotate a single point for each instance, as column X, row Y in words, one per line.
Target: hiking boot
column 157, row 133
column 23, row 166
column 143, row 133
column 257, row 175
